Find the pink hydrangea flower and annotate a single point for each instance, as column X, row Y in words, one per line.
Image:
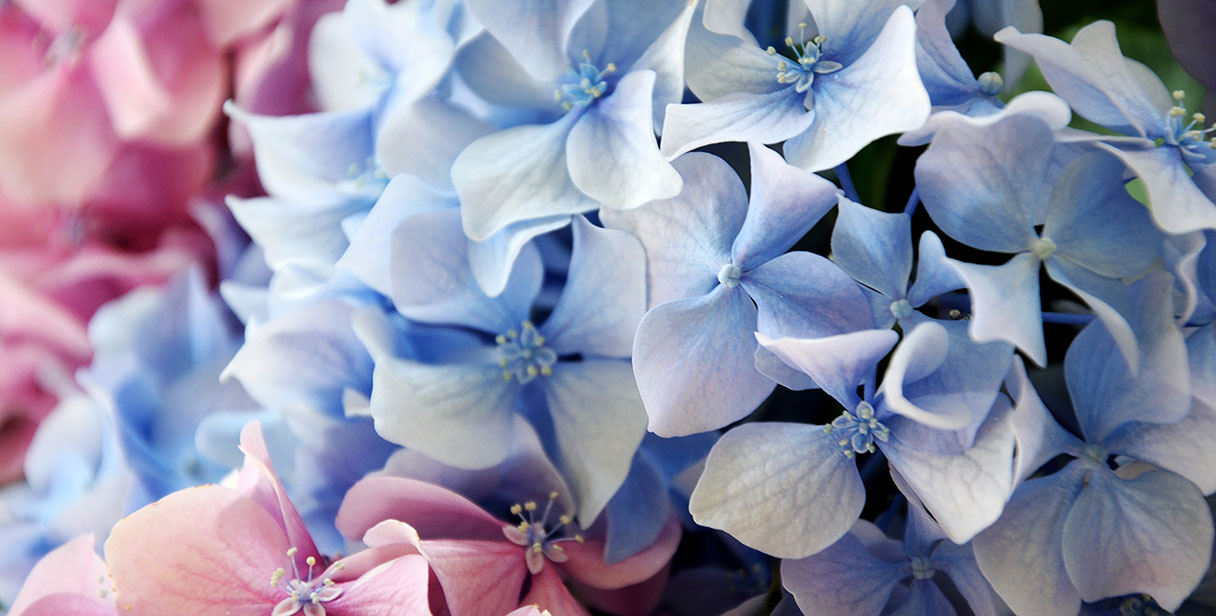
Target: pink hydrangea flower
column 481, row 562
column 245, row 551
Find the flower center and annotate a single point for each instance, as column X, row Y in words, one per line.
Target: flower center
column 1191, row 137
column 807, row 61
column 581, row 86
column 1043, row 248
column 535, row 535
column 901, row 309
column 857, row 432
column 1093, row 455
column 306, row 593
column 990, row 83
column 65, row 48
column 523, row 354
column 922, row 568
column 729, row 275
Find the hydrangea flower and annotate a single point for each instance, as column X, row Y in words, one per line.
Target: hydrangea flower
column 828, row 92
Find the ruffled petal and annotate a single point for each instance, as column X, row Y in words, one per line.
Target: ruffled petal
column 1005, row 303
column 785, row 203
column 740, row 116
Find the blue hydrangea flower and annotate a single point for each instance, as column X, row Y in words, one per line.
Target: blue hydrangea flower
column 1126, row 513
column 579, row 139
column 718, row 271
column 791, row 490
column 864, row 573
column 569, row 376
column 1166, row 144
column 832, row 88
column 993, row 187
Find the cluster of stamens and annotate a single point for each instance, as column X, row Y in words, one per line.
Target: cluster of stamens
column 535, row 535
column 1189, row 136
column 367, row 173
column 807, row 61
column 583, row 85
column 307, row 592
column 64, row 48
column 858, row 431
column 522, row 355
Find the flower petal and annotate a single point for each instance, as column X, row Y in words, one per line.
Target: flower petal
column 784, row 489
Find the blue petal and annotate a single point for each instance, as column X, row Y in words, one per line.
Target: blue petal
column 313, row 345
column 493, row 74
column 536, row 31
column 804, row 295
column 1178, row 205
column 1005, row 303
column 1186, row 447
column 740, row 116
column 693, row 359
column 517, row 174
column 1091, row 211
column 604, row 297
column 665, row 56
column 687, row 238
column 945, row 74
column 1094, row 77
column 433, row 282
column 446, row 129
column 1039, row 437
column 967, row 492
column 850, row 28
column 367, row 255
column 1151, row 534
column 874, row 247
column 879, row 94
column 784, row 489
column 924, row 597
column 636, row 513
column 838, row 364
column 786, row 376
column 844, row 578
column 985, row 186
column 785, row 203
column 458, row 414
column 718, row 65
column 1021, row 554
column 958, row 562
column 919, row 369
column 1106, row 393
column 612, row 153
column 493, row 258
column 594, row 449
column 934, row 275
column 301, row 158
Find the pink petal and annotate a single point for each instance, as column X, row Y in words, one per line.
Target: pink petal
column 636, row 599
column 160, row 77
column 433, row 511
column 548, row 593
column 258, row 482
column 478, row 577
column 19, row 48
column 206, row 551
column 71, row 569
column 63, row 604
column 587, row 565
column 54, row 123
column 227, row 21
column 89, row 16
column 397, row 587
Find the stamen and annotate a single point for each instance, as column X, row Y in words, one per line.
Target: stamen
column 523, row 355
column 536, row 537
column 859, row 431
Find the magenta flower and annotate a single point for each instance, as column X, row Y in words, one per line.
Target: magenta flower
column 482, row 562
column 246, row 552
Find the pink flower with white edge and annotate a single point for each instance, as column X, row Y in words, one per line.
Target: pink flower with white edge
column 212, row 550
column 482, row 562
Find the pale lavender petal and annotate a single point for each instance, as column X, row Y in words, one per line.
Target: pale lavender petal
column 874, row 247
column 740, row 116
column 784, row 489
column 1177, row 204
column 844, row 578
column 612, row 153
column 838, row 364
column 687, row 238
column 604, row 297
column 1122, row 538
column 785, row 203
column 536, row 31
column 1005, row 303
column 693, row 359
column 804, row 295
column 877, row 95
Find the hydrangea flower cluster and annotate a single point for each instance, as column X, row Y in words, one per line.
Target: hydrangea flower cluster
column 573, row 307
